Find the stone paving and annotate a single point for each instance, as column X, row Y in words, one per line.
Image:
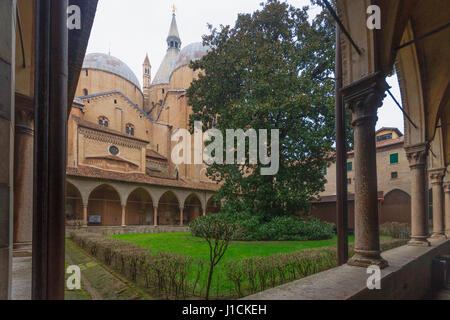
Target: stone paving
column 21, row 283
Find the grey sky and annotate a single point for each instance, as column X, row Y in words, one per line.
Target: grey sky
column 130, row 29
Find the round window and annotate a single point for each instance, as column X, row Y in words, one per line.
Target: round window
column 114, row 150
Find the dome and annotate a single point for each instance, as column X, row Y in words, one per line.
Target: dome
column 108, row 63
column 192, row 52
column 166, row 67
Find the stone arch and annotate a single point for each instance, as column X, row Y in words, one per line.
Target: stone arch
column 212, row 206
column 139, row 208
column 169, row 209
column 193, row 208
column 104, row 206
column 396, row 207
column 74, row 203
column 411, row 88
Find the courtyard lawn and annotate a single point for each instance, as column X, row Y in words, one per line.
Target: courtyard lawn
column 197, row 248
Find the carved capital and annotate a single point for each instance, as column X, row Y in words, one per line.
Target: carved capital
column 24, row 121
column 364, row 97
column 447, row 187
column 417, row 155
column 437, row 176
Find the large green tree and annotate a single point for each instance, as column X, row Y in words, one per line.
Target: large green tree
column 273, row 70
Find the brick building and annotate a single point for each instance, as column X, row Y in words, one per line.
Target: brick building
column 393, row 178
column 119, row 167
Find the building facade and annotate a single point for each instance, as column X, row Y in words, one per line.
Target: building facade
column 119, row 166
column 393, row 180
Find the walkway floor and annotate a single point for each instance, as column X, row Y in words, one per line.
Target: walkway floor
column 21, row 283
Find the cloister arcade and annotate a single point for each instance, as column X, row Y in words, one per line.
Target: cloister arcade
column 105, row 203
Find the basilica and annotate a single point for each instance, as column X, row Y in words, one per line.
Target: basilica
column 119, row 167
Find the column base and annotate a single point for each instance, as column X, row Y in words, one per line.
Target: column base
column 419, row 242
column 439, row 236
column 360, row 260
column 22, row 249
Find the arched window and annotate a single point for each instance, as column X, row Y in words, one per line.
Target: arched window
column 85, row 92
column 103, row 121
column 129, row 129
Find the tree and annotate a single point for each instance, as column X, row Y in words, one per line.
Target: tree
column 218, row 233
column 273, row 70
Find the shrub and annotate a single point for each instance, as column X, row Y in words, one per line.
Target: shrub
column 165, row 272
column 396, row 230
column 285, row 228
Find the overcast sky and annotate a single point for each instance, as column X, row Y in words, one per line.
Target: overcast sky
column 130, row 29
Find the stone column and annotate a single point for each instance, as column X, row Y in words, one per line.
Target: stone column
column 7, row 80
column 155, row 216
column 436, row 178
column 417, row 157
column 364, row 98
column 85, row 215
column 23, row 180
column 123, row 216
column 204, row 211
column 447, row 208
column 181, row 216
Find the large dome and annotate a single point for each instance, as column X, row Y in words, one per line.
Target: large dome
column 108, row 63
column 192, row 52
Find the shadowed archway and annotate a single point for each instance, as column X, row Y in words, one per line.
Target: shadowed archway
column 168, row 209
column 104, row 207
column 192, row 209
column 396, row 207
column 212, row 206
column 139, row 209
column 74, row 204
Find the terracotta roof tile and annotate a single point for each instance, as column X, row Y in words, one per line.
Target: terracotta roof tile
column 154, row 154
column 91, row 172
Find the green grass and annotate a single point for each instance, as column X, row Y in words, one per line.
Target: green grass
column 197, row 248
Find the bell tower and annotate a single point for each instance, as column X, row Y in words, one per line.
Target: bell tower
column 147, row 71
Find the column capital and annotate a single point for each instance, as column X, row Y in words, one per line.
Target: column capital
column 24, row 121
column 364, row 97
column 437, row 175
column 417, row 154
column 447, row 186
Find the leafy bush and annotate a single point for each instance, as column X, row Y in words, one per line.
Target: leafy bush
column 295, row 229
column 284, row 228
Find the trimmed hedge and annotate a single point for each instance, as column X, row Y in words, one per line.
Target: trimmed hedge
column 396, row 230
column 253, row 228
column 252, row 275
column 165, row 273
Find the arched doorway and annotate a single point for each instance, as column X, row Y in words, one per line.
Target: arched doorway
column 168, row 210
column 212, row 206
column 396, row 207
column 192, row 209
column 74, row 205
column 139, row 210
column 104, row 207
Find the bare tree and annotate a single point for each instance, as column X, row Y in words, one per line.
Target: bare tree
column 218, row 234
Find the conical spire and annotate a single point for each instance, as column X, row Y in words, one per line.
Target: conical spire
column 147, row 60
column 173, row 39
